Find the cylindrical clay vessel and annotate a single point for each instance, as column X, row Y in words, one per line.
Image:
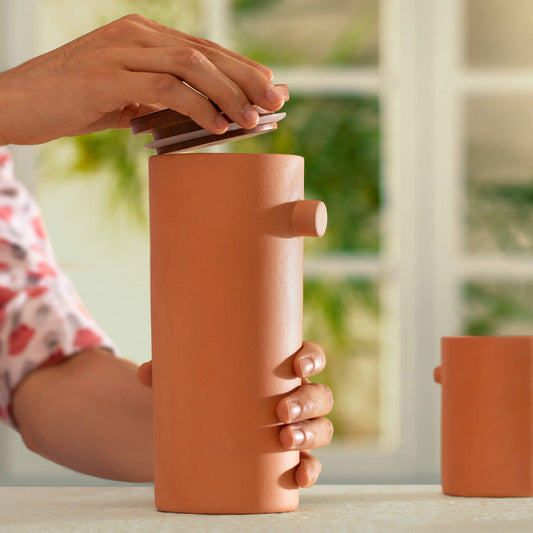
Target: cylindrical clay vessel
column 226, row 287
column 487, row 416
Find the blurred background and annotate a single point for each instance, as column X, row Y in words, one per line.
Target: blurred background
column 413, row 118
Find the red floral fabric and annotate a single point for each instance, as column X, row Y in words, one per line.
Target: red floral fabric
column 42, row 319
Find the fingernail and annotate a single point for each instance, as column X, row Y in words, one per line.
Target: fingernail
column 298, row 436
column 274, row 95
column 295, row 409
column 250, row 114
column 307, row 366
column 221, row 123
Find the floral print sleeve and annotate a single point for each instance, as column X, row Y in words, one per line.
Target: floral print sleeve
column 42, row 319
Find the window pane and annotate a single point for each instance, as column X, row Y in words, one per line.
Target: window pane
column 498, row 33
column 497, row 308
column 499, row 180
column 344, row 317
column 307, row 32
column 339, row 139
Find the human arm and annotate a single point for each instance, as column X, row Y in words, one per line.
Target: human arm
column 90, row 414
column 124, row 69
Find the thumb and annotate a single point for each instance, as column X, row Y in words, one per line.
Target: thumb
column 144, row 374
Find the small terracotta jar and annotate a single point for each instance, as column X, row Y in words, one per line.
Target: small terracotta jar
column 487, row 416
column 226, row 236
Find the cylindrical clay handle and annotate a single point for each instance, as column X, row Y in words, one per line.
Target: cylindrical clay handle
column 309, row 218
column 226, row 280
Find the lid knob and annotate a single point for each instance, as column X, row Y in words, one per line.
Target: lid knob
column 309, row 218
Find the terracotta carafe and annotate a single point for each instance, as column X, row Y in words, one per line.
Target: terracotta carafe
column 226, row 235
column 487, row 416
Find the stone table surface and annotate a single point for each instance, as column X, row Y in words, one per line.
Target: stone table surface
column 327, row 508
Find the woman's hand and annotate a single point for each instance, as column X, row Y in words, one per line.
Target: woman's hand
column 129, row 67
column 302, row 411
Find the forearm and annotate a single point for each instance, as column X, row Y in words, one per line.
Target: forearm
column 4, row 102
column 90, row 414
column 13, row 108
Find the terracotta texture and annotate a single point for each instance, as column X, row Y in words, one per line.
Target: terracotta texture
column 226, row 288
column 487, row 416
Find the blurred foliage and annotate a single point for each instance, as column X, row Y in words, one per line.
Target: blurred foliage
column 308, row 32
column 244, row 6
column 339, row 137
column 497, row 308
column 60, row 21
column 115, row 152
column 499, row 217
column 185, row 15
column 344, row 317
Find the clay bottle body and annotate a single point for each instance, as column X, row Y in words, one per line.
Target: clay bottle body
column 226, row 289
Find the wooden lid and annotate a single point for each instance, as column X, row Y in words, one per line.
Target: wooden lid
column 174, row 132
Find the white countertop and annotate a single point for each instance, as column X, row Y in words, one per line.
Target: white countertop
column 376, row 508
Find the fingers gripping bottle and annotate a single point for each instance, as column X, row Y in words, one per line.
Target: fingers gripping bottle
column 226, row 235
